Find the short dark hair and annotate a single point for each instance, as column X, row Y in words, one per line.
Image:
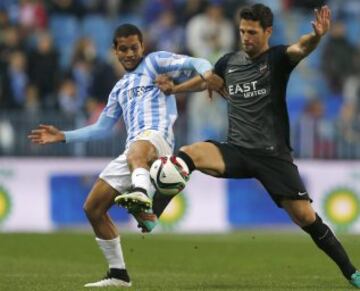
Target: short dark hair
column 126, row 30
column 258, row 12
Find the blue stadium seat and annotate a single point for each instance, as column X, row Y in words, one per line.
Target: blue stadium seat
column 65, row 30
column 353, row 29
column 333, row 104
column 128, row 18
column 99, row 29
column 278, row 35
column 296, row 106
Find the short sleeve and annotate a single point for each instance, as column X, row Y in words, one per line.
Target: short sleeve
column 221, row 64
column 282, row 59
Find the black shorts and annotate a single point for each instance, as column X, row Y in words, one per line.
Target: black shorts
column 277, row 173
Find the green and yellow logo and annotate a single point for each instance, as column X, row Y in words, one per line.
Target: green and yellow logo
column 5, row 204
column 174, row 212
column 342, row 207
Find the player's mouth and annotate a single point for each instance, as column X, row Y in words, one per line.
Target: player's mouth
column 129, row 63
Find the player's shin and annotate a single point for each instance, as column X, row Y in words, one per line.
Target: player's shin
column 325, row 239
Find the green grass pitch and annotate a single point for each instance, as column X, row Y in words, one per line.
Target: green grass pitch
column 250, row 260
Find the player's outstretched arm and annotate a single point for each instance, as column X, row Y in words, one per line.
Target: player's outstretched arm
column 195, row 84
column 46, row 134
column 308, row 42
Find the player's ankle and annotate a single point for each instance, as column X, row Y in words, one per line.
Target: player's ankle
column 120, row 274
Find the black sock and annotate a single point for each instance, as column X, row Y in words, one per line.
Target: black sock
column 326, row 241
column 160, row 202
column 188, row 160
column 121, row 274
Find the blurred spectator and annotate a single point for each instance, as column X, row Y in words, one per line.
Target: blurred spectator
column 10, row 41
column 7, row 137
column 348, row 132
column 93, row 76
column 190, row 8
column 93, row 110
column 210, row 35
column 44, row 68
column 207, row 118
column 153, row 8
column 81, row 69
column 304, row 4
column 17, row 78
column 351, row 91
column 316, row 133
column 336, row 57
column 33, row 15
column 4, row 21
column 165, row 34
column 32, row 104
column 67, row 7
column 68, row 98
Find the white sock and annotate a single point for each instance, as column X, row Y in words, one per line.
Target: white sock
column 140, row 177
column 112, row 252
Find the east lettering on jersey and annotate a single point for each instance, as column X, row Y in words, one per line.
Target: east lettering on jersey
column 258, row 118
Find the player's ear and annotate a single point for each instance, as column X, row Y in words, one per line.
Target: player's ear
column 268, row 31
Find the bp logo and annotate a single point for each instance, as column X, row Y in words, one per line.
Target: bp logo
column 342, row 207
column 4, row 204
column 174, row 212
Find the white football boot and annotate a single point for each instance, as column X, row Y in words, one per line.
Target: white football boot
column 111, row 281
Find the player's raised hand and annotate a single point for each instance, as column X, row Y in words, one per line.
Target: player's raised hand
column 321, row 24
column 165, row 84
column 45, row 134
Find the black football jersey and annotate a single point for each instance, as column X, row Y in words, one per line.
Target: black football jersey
column 257, row 112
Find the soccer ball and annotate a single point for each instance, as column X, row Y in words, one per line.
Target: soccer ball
column 169, row 175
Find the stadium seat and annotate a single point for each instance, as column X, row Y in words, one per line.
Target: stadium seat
column 278, row 35
column 99, row 29
column 65, row 31
column 128, row 18
column 353, row 29
column 333, row 106
column 296, row 106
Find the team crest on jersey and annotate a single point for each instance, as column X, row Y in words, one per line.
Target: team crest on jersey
column 263, row 67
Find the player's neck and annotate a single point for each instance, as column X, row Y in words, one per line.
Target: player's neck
column 260, row 52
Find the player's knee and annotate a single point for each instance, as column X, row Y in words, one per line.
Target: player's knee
column 191, row 151
column 92, row 212
column 303, row 218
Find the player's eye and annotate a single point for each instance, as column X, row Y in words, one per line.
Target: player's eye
column 122, row 49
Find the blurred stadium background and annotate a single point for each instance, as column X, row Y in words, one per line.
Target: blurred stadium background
column 57, row 67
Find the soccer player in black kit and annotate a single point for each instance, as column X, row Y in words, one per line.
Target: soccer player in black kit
column 258, row 145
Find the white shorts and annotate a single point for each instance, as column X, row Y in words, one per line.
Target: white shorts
column 117, row 173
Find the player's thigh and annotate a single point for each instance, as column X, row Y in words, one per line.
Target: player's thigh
column 117, row 174
column 281, row 178
column 300, row 211
column 141, row 152
column 100, row 198
column 207, row 157
column 147, row 147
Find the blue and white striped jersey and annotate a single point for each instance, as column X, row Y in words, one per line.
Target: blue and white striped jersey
column 142, row 105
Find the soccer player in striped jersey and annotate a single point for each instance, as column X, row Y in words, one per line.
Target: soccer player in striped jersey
column 149, row 116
